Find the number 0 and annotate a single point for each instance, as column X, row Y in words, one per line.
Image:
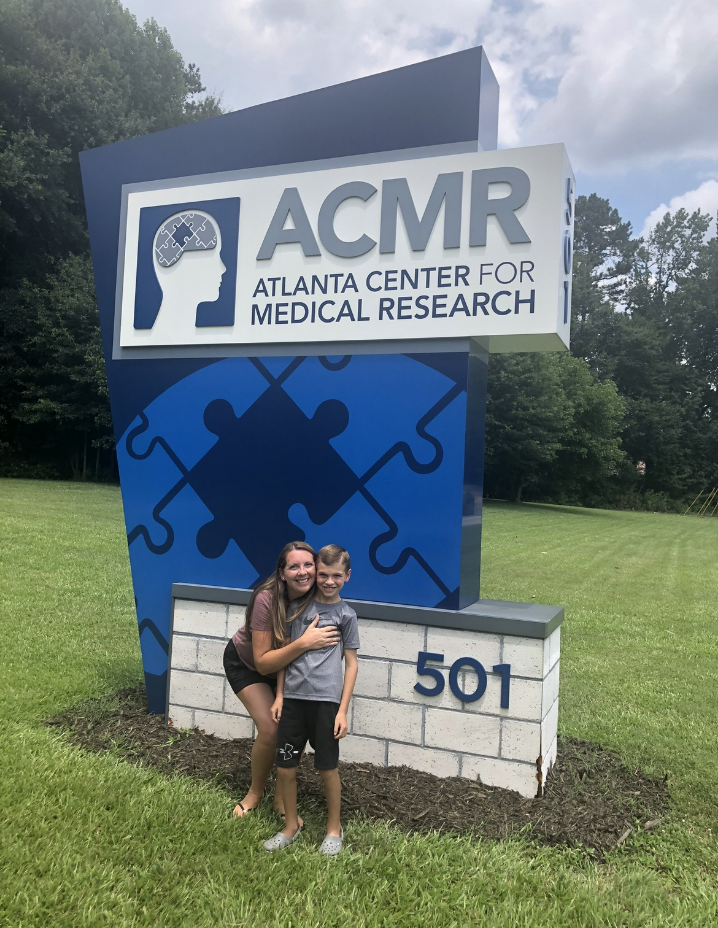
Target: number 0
column 478, row 669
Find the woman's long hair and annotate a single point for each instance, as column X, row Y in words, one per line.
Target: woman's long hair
column 277, row 589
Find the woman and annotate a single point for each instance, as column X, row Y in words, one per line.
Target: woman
column 258, row 650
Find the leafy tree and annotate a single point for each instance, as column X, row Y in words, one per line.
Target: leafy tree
column 552, row 429
column 591, row 453
column 603, row 255
column 661, row 385
column 633, row 334
column 62, row 386
column 74, row 74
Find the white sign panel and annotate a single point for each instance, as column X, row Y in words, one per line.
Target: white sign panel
column 444, row 246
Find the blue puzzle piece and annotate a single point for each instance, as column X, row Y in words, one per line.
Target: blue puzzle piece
column 427, row 511
column 153, row 574
column 355, row 526
column 146, row 481
column 177, row 415
column 386, row 395
column 264, row 461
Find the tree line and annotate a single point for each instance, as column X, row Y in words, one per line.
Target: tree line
column 626, row 419
column 629, row 418
column 74, row 74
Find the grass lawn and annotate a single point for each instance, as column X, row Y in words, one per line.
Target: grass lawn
column 87, row 840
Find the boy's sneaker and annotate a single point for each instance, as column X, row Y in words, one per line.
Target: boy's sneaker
column 331, row 845
column 280, row 840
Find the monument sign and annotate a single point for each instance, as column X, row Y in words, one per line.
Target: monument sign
column 298, row 302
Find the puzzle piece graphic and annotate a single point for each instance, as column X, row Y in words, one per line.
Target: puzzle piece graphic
column 177, row 415
column 224, row 468
column 153, row 576
column 355, row 526
column 427, row 513
column 147, row 479
column 185, row 232
column 386, row 396
column 263, row 462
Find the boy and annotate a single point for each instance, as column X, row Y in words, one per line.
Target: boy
column 313, row 699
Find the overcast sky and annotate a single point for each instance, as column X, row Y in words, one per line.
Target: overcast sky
column 631, row 86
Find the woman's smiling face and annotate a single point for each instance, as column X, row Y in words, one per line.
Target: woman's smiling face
column 298, row 573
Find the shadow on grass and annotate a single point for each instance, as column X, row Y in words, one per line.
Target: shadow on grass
column 536, row 508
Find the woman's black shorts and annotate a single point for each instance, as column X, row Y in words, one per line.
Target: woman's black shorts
column 238, row 674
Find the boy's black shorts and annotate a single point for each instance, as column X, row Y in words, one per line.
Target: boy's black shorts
column 303, row 720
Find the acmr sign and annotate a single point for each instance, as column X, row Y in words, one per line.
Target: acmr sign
column 393, row 248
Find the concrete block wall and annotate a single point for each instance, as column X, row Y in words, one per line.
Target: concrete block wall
column 390, row 722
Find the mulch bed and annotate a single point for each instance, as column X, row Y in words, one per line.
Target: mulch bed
column 590, row 800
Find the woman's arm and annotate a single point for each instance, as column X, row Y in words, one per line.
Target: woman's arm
column 267, row 660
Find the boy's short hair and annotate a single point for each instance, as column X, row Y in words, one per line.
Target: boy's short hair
column 333, row 554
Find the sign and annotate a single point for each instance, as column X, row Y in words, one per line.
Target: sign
column 379, row 248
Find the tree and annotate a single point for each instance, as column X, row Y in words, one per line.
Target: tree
column 552, row 429
column 74, row 74
column 63, row 386
column 631, row 333
column 662, row 387
column 603, row 256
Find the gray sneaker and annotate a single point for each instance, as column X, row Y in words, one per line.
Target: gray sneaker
column 280, row 840
column 331, row 845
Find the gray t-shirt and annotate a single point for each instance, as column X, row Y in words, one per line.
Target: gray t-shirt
column 318, row 675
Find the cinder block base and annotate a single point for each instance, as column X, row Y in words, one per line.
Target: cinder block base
column 391, row 723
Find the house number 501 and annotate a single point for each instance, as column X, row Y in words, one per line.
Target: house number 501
column 424, row 671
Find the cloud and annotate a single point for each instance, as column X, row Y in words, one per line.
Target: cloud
column 704, row 198
column 624, row 84
column 638, row 86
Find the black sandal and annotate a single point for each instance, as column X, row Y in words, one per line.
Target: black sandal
column 233, row 814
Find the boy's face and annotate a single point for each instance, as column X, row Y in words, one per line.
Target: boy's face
column 330, row 580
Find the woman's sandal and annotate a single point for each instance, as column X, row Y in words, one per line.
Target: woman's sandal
column 244, row 811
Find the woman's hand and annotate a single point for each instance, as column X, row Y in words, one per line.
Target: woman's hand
column 315, row 638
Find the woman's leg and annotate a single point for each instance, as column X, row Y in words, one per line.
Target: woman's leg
column 257, row 699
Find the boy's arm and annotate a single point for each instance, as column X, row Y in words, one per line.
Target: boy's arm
column 351, row 666
column 276, row 708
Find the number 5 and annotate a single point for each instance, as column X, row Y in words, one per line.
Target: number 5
column 424, row 671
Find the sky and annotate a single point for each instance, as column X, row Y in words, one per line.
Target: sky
column 630, row 86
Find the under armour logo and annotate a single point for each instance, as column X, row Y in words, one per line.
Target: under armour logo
column 287, row 752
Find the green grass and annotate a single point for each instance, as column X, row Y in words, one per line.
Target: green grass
column 88, row 840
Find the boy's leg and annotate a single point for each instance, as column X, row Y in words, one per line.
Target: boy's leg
column 333, row 792
column 326, row 761
column 287, row 778
column 291, row 740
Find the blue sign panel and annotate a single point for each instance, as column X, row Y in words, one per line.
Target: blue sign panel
column 224, row 458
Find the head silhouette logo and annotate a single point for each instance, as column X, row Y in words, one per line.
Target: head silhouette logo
column 186, row 268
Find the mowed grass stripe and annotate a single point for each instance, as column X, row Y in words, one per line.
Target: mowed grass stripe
column 91, row 840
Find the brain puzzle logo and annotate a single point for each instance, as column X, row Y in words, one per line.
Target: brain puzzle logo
column 187, row 267
column 182, row 233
